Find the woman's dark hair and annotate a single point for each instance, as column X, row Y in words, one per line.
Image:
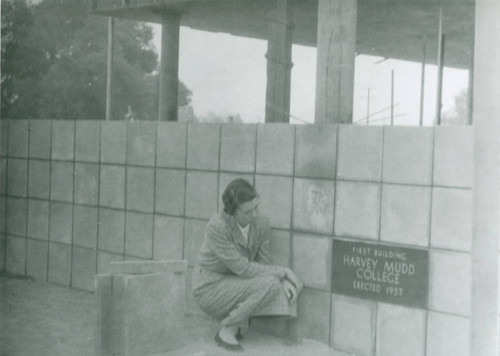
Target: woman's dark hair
column 238, row 192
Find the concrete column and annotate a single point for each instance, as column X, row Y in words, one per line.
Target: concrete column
column 486, row 221
column 169, row 67
column 279, row 62
column 336, row 46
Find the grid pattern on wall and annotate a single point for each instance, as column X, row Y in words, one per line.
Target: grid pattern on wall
column 76, row 195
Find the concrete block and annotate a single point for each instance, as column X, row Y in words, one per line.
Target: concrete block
column 312, row 260
column 171, row 145
column 39, row 140
column 360, row 153
column 277, row 326
column 59, row 264
column 226, row 178
column 113, row 141
column 84, row 268
column 408, row 155
column 447, row 335
column 112, row 187
column 400, row 331
column 313, row 202
column 4, row 137
column 168, row 238
column 275, row 148
column 146, row 313
column 238, row 145
column 85, row 226
column 203, row 146
column 17, row 210
column 86, row 183
column 141, row 267
column 170, row 191
column 313, row 308
column 201, row 194
column 87, row 141
column 141, row 143
column 450, row 282
column 139, row 235
column 194, row 235
column 104, row 259
column 111, row 235
column 38, row 219
column 18, row 138
column 452, row 219
column 141, row 189
column 39, row 179
column 3, row 175
column 357, row 210
column 353, row 325
column 454, row 156
column 63, row 140
column 17, row 177
column 61, row 222
column 281, row 247
column 61, row 181
column 316, row 151
column 37, row 259
column 275, row 199
column 406, row 212
column 15, row 255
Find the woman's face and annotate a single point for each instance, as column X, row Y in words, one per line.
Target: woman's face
column 246, row 212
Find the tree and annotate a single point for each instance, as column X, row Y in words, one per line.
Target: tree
column 54, row 57
column 458, row 115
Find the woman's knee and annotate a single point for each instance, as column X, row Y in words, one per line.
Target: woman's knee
column 268, row 282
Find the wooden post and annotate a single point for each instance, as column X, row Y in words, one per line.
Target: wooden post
column 169, row 67
column 486, row 202
column 335, row 61
column 279, row 62
column 109, row 82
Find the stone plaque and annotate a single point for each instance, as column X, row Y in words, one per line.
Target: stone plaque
column 390, row 274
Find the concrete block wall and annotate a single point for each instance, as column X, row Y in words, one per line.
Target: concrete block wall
column 76, row 195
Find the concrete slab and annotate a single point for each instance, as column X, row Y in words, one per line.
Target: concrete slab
column 316, row 151
column 37, row 259
column 63, row 140
column 201, row 194
column 112, row 186
column 39, row 179
column 171, row 145
column 314, row 321
column 87, row 141
column 139, row 234
column 312, row 260
column 275, row 149
column 113, row 142
column 84, row 264
column 203, row 146
column 59, row 264
column 17, row 177
column 85, row 226
column 4, row 137
column 141, row 143
column 168, row 238
column 140, row 189
column 15, row 255
column 447, row 335
column 18, row 138
column 61, row 222
column 38, row 219
column 281, row 247
column 194, row 234
column 144, row 267
column 61, row 181
column 238, row 145
column 111, row 234
column 275, row 201
column 39, row 139
column 170, row 191
column 86, row 183
column 17, row 210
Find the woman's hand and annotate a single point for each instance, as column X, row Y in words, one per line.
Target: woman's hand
column 290, row 291
column 291, row 277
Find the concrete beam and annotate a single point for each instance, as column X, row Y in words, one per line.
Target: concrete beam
column 169, row 67
column 279, row 62
column 486, row 226
column 335, row 61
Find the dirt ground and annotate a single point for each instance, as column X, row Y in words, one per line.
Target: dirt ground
column 41, row 319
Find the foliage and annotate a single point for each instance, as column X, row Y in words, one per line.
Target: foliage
column 458, row 115
column 54, row 63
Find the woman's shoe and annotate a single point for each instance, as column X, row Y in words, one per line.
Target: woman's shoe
column 239, row 335
column 226, row 345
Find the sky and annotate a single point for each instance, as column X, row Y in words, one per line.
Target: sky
column 227, row 75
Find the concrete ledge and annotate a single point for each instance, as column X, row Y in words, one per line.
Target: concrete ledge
column 143, row 267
